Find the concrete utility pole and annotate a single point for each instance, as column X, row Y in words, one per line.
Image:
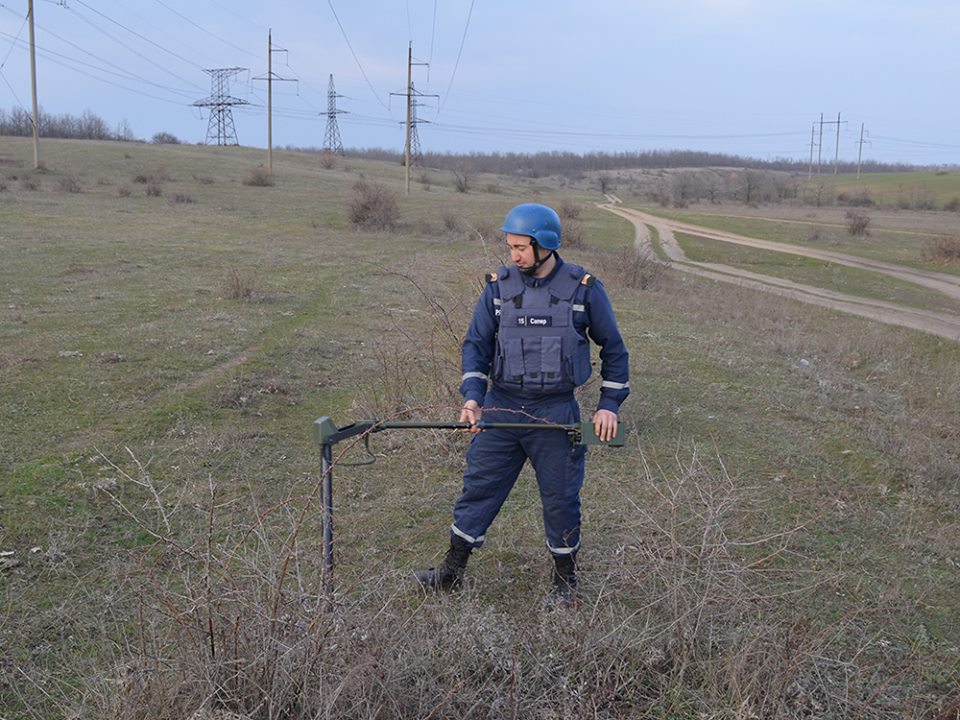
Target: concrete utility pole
column 270, row 78
column 836, row 154
column 33, row 86
column 860, row 153
column 836, row 157
column 820, row 145
column 406, row 151
column 410, row 116
column 810, row 166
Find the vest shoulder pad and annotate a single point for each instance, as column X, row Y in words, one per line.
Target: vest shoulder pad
column 587, row 279
column 491, row 277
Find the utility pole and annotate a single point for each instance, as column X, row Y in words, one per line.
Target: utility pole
column 220, row 127
column 836, row 154
column 331, row 138
column 836, row 157
column 406, row 152
column 33, row 86
column 270, row 78
column 860, row 153
column 820, row 144
column 810, row 166
column 410, row 117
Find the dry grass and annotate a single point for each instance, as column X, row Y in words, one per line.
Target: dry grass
column 674, row 624
column 258, row 177
column 777, row 540
column 239, row 284
column 943, row 250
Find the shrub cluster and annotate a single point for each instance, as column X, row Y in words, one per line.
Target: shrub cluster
column 258, row 177
column 373, row 207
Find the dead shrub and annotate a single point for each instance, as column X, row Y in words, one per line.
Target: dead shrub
column 154, row 190
column 572, row 234
column 858, row 223
column 943, row 250
column 3, row 186
column 29, row 183
column 373, row 207
column 239, row 284
column 124, row 191
column 328, row 160
column 953, row 205
column 634, row 269
column 182, row 199
column 461, row 181
column 451, row 221
column 685, row 611
column 70, row 184
column 569, row 210
column 258, row 177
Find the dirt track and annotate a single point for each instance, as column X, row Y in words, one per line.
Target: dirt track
column 943, row 324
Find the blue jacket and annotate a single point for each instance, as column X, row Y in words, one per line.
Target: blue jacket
column 593, row 318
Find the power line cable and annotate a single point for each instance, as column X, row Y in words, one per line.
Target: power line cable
column 15, row 40
column 238, row 15
column 359, row 65
column 456, row 65
column 124, row 45
column 204, row 30
column 132, row 32
column 124, row 74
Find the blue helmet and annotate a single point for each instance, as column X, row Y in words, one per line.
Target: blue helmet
column 536, row 221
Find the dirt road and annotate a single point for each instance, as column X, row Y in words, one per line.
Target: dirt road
column 938, row 323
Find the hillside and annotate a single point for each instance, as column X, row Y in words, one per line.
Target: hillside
column 778, row 539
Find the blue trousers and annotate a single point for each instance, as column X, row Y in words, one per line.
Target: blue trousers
column 494, row 461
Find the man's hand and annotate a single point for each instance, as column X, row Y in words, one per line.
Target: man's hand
column 470, row 413
column 605, row 425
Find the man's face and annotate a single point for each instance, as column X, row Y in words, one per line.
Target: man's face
column 521, row 251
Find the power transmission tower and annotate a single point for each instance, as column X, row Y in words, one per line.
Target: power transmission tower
column 331, row 138
column 220, row 128
column 416, row 157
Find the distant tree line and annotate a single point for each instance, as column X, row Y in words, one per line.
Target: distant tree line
column 87, row 126
column 571, row 164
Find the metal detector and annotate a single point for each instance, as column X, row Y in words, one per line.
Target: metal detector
column 327, row 434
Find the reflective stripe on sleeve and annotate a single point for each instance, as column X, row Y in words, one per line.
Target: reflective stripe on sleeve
column 614, row 385
column 469, row 375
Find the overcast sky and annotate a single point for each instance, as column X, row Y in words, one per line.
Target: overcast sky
column 748, row 77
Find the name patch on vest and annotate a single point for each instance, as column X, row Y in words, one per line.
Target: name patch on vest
column 535, row 321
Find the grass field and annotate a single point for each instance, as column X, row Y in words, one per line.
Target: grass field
column 778, row 539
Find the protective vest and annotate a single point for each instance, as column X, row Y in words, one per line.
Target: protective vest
column 538, row 347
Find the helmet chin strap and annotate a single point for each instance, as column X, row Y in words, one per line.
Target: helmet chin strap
column 538, row 261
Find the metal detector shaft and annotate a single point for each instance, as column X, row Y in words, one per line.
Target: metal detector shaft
column 327, row 434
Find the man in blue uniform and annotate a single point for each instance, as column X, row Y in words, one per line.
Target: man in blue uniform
column 529, row 341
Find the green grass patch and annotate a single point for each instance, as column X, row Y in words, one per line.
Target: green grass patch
column 811, row 271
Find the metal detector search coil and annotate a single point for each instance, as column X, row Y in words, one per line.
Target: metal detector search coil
column 327, row 434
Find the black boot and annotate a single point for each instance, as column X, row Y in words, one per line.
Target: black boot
column 449, row 576
column 564, row 591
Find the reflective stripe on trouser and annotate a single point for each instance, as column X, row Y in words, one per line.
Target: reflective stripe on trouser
column 496, row 457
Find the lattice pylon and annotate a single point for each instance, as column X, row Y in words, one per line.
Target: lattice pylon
column 220, row 127
column 331, row 138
